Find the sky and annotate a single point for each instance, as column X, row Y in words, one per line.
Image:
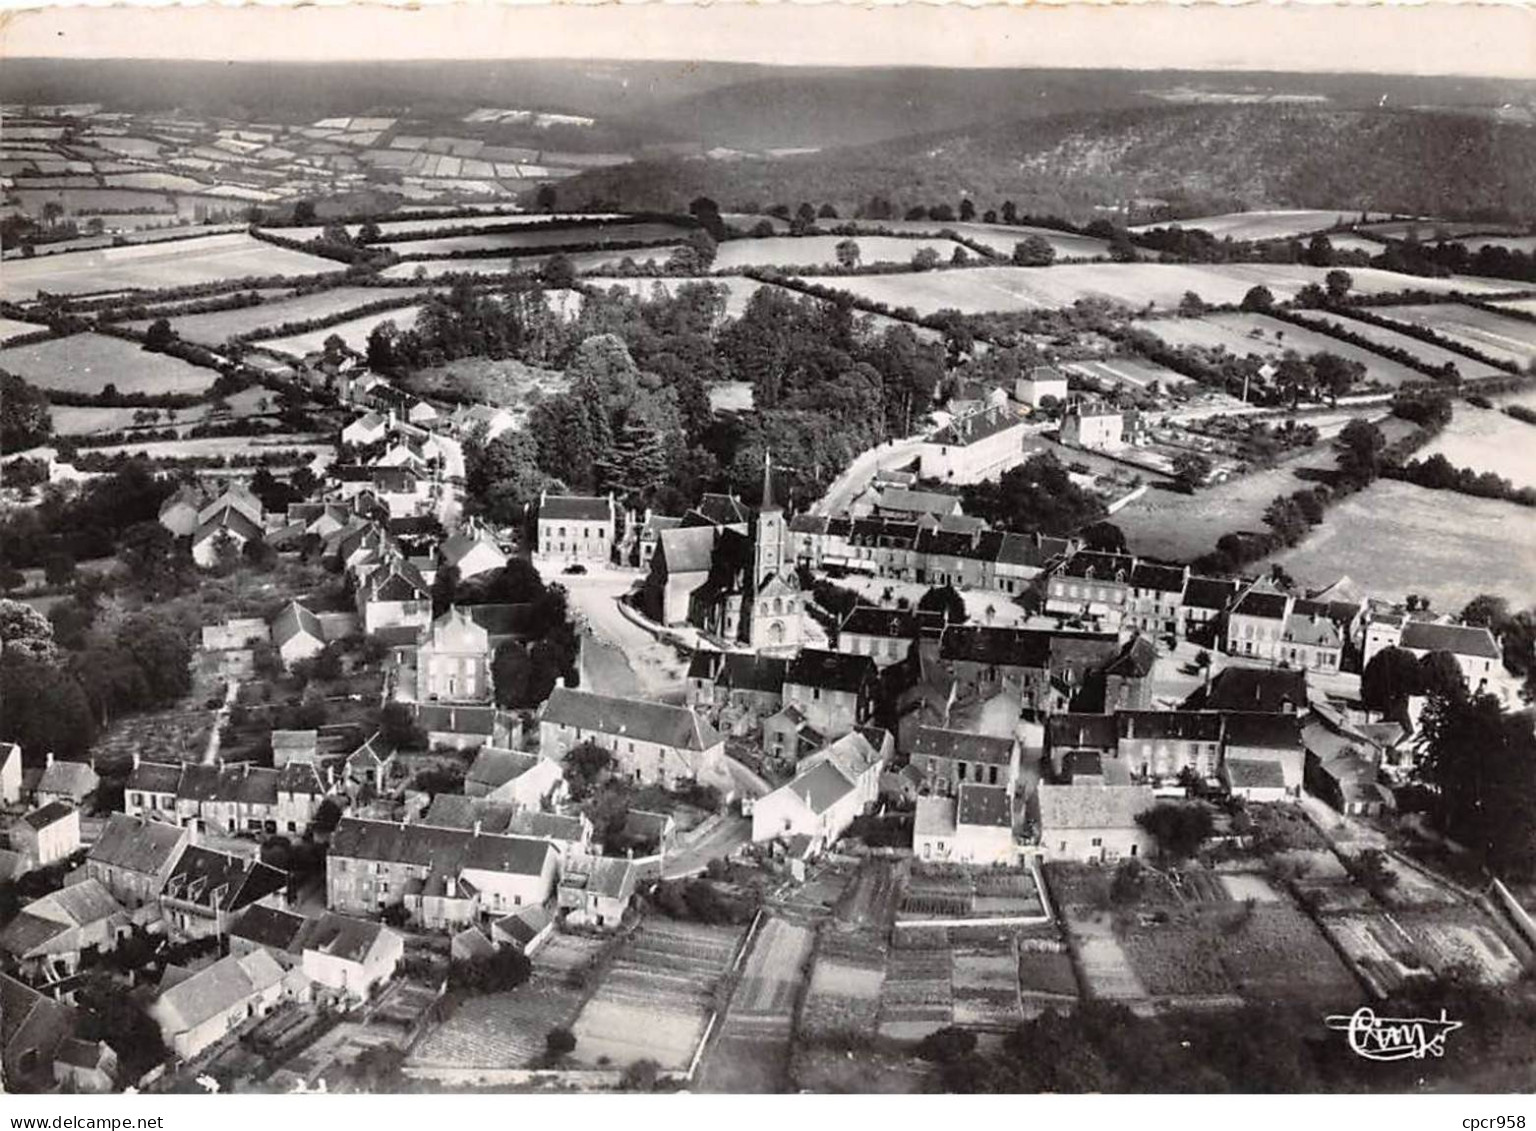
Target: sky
column 1426, row 38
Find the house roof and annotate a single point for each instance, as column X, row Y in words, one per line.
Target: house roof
column 525, row 924
column 435, row 718
column 29, row 932
column 747, row 671
column 29, row 1020
column 641, row 719
column 1100, row 732
column 935, row 817
column 1257, row 689
column 1135, row 660
column 137, row 845
column 444, row 851
column 459, row 546
column 976, row 427
column 470, row 943
column 269, row 926
column 493, row 767
column 216, row 989
column 1164, row 579
column 608, row 876
column 1184, row 726
column 575, row 508
column 1003, row 647
column 984, row 805
column 1099, row 566
column 220, row 881
column 547, row 826
column 1093, row 806
column 1209, row 592
column 74, row 779
column 295, row 620
column 963, row 745
column 504, row 619
column 927, row 502
column 1262, row 604
column 1030, row 549
column 1462, row 639
column 231, row 519
column 79, row 1053
column 157, row 777
column 343, row 937
column 1254, row 773
column 1318, row 630
column 52, row 813
column 821, row 786
column 1275, row 731
column 831, row 671
column 722, row 510
column 687, row 549
column 853, row 754
column 900, row 624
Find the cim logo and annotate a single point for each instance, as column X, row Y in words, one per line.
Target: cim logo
column 1393, row 1038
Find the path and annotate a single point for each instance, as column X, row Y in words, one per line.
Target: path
column 724, row 838
column 847, row 486
column 594, row 597
column 221, row 716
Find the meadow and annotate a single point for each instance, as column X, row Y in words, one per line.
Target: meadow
column 1273, row 224
column 86, row 363
column 982, row 289
column 582, row 261
column 354, row 332
column 10, row 328
column 1001, row 238
column 80, row 420
column 492, row 216
column 1524, row 305
column 594, row 236
column 1166, row 524
column 217, row 327
column 156, row 266
column 821, row 251
column 1475, row 244
column 1394, row 539
column 1245, row 334
column 1488, row 440
column 1508, row 339
column 1131, row 371
column 1427, row 352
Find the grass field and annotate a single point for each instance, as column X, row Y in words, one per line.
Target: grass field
column 1508, row 339
column 86, row 363
column 1524, row 305
column 154, row 266
column 1427, row 352
column 156, row 182
column 1394, row 539
column 978, row 290
column 70, row 420
column 219, row 326
column 354, row 332
column 583, row 261
column 1273, row 224
column 1474, row 244
column 1001, row 238
column 10, row 328
column 1165, row 524
column 1245, row 334
column 1130, row 371
column 821, row 251
column 1427, row 231
column 1488, row 440
column 493, row 215
column 594, row 236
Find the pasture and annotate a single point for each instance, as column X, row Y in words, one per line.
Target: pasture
column 1394, row 539
column 1271, row 224
column 1133, row 372
column 494, row 214
column 1175, row 527
column 1523, row 305
column 536, row 238
column 155, row 266
column 787, row 252
column 582, row 261
column 1247, row 334
column 982, row 289
column 87, row 363
column 10, row 328
column 354, row 332
column 1487, row 440
column 1427, row 352
column 656, row 997
column 1474, row 244
column 1001, row 238
column 217, row 327
column 1507, row 339
column 1427, row 231
column 71, row 420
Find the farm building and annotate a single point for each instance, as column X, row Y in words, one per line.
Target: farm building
column 47, row 834
column 512, row 777
column 829, row 789
column 595, row 891
column 69, row 782
column 49, row 935
column 1043, row 381
column 132, row 857
column 297, row 634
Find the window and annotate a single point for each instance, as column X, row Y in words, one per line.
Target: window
column 1098, row 842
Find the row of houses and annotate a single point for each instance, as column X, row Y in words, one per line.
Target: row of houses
column 226, row 799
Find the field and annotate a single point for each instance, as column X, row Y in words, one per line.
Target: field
column 917, row 994
column 844, row 991
column 10, row 328
column 656, row 997
column 219, row 326
column 1245, row 334
column 1275, row 224
column 1487, row 440
column 504, row 1030
column 821, row 251
column 981, row 289
column 1524, row 305
column 354, row 332
column 165, row 735
column 86, row 363
column 70, row 420
column 1427, row 352
column 534, row 239
column 1507, row 339
column 154, row 266
column 1131, row 371
column 740, row 288
column 493, row 215
column 1001, row 238
column 936, row 892
column 582, row 261
column 1166, row 524
column 752, row 1052
column 1428, row 231
column 1395, row 538
column 1474, row 244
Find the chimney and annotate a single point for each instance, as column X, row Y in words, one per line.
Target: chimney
column 477, row 827
column 48, row 759
column 451, row 886
column 135, row 759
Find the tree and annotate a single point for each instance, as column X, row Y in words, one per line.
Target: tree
column 1487, row 610
column 545, row 198
column 641, row 1076
column 1391, row 676
column 1259, row 299
column 944, row 599
column 1360, row 445
column 109, row 1012
column 1320, row 251
column 1441, row 674
column 25, row 418
column 559, row 1042
column 445, row 589
column 59, row 568
column 45, row 708
column 1033, row 251
column 925, row 259
column 1191, row 305
column 1334, row 375
column 585, row 765
column 847, row 252
column 496, row 973
column 1191, row 469
column 1338, row 283
column 947, row 1045
column 1104, row 537
column 159, row 336
column 1178, row 828
column 558, row 272
column 967, row 210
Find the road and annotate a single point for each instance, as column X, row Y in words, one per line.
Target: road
column 851, row 483
column 658, row 671
column 719, row 842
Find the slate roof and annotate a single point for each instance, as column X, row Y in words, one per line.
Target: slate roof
column 1099, row 566
column 821, row 786
column 156, row 777
column 446, row 719
column 547, row 826
column 1100, row 732
column 1001, row 647
column 270, row 927
column 230, row 519
column 935, row 817
column 458, row 547
column 983, row 805
column 343, row 937
column 747, row 671
column 722, row 510
column 1163, row 579
column 963, row 746
column 136, row 845
column 217, row 989
column 1254, row 773
column 295, row 620
column 1093, row 806
column 493, row 767
column 1182, row 726
column 575, row 508
column 1263, row 730
column 1209, row 593
column 73, row 779
column 1135, row 659
column 1030, row 549
column 687, row 549
column 1265, row 605
column 1257, row 689
column 443, row 851
column 220, row 881
column 927, row 502
column 1317, row 631
column 976, row 427
column 524, row 925
column 608, row 876
column 49, row 814
column 831, row 671
column 641, row 719
column 1463, row 640
column 900, row 624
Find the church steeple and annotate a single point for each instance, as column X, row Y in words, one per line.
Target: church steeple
column 768, row 503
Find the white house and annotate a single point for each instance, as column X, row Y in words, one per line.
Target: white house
column 650, row 741
column 355, row 956
column 830, row 788
column 297, row 634
column 47, row 835
column 973, row 827
column 198, row 1010
column 1093, row 823
column 1043, row 381
column 10, row 773
column 1094, row 427
column 229, row 526
column 512, row 777
column 972, row 448
column 1477, row 652
column 368, row 429
column 453, row 662
column 576, row 528
column 472, row 553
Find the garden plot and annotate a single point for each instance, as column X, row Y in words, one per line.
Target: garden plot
column 1247, row 885
column 1271, row 224
column 844, row 992
column 752, row 1051
column 1381, row 952
column 1130, row 371
column 354, row 332
column 787, row 252
column 773, row 970
column 155, row 266
column 1507, row 339
column 985, row 987
column 217, row 327
column 936, row 892
column 1106, row 966
column 533, row 240
column 1046, row 977
column 1256, row 334
column 917, row 995
column 1462, row 938
column 162, row 736
column 1278, row 954
column 88, row 363
column 564, row 953
column 504, row 1030
column 656, row 996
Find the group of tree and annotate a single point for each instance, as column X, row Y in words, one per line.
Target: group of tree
column 25, row 419
column 1038, row 496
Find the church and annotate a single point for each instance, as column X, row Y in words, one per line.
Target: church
column 729, row 573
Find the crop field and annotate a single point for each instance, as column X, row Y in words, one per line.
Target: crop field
column 985, row 987
column 354, row 332
column 155, row 266
column 966, row 893
column 740, row 288
column 982, row 289
column 146, row 205
column 656, row 996
column 86, row 363
column 1001, row 238
column 1045, row 974
column 1130, row 371
column 583, row 261
column 1395, row 538
column 1508, row 339
column 1246, row 334
column 1474, row 244
column 917, row 995
column 1273, row 224
column 752, row 1052
column 1427, row 352
column 1427, row 231
column 821, row 251
column 536, row 238
column 1487, row 440
column 219, row 326
column 493, row 215
column 156, row 182
column 1107, row 970
column 505, row 1030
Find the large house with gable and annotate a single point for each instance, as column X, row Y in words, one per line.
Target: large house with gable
column 650, row 742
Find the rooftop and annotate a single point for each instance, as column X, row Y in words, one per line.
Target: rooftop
column 1093, row 806
column 963, row 746
column 984, row 805
column 575, row 508
column 642, row 719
